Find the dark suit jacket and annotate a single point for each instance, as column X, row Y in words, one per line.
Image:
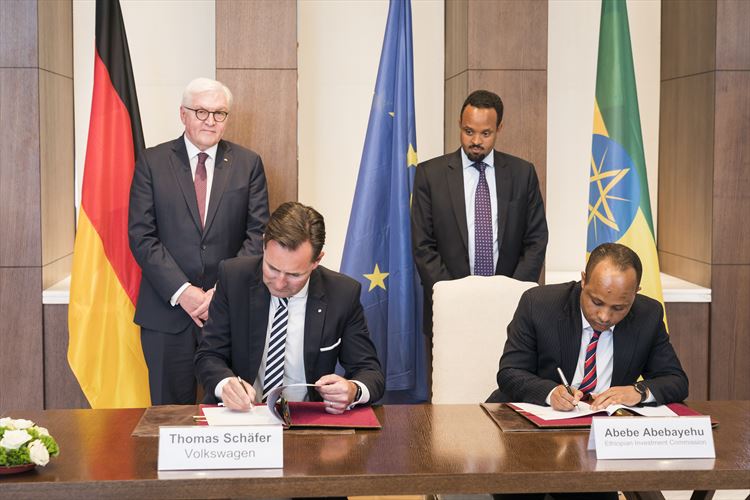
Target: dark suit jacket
column 546, row 333
column 165, row 230
column 439, row 229
column 234, row 336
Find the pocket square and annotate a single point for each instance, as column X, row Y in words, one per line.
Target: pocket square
column 324, row 349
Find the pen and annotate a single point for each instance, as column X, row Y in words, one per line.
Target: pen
column 565, row 383
column 239, row 379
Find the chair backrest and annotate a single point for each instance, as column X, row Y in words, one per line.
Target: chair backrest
column 469, row 327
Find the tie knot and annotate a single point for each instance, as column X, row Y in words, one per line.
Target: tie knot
column 202, row 158
column 596, row 334
column 283, row 302
column 480, row 165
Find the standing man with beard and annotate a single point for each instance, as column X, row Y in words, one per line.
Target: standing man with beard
column 194, row 201
column 477, row 210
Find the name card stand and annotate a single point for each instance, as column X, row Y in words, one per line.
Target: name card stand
column 651, row 437
column 221, row 447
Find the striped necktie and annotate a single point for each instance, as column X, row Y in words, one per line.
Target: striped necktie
column 274, row 375
column 588, row 383
column 483, row 258
column 201, row 183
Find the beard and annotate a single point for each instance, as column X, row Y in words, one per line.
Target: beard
column 474, row 156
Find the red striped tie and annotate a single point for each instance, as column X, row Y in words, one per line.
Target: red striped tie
column 588, row 383
column 200, row 182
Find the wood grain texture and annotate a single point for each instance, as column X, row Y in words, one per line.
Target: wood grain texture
column 256, row 34
column 56, row 155
column 56, row 36
column 264, row 119
column 732, row 35
column 456, row 37
column 18, row 29
column 425, row 449
column 688, row 37
column 524, row 95
column 689, row 334
column 56, row 270
column 61, row 389
column 456, row 90
column 20, row 243
column 731, row 173
column 21, row 354
column 730, row 337
column 511, row 34
column 686, row 164
column 690, row 270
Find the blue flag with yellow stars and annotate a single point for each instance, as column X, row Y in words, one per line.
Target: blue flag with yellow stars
column 377, row 251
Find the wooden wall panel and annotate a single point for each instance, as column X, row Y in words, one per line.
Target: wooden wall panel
column 57, row 183
column 730, row 340
column 56, row 36
column 257, row 34
column 690, row 270
column 456, row 90
column 688, row 332
column 686, row 145
column 688, row 37
column 507, row 35
column 61, row 389
column 524, row 95
column 264, row 119
column 20, row 244
column 456, row 37
column 21, row 360
column 18, row 40
column 733, row 39
column 731, row 173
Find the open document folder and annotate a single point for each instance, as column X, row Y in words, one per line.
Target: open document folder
column 292, row 414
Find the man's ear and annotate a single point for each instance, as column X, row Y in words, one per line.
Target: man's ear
column 317, row 261
column 583, row 277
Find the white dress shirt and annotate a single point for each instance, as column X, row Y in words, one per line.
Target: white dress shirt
column 471, row 179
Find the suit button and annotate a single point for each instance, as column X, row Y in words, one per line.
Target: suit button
column 203, row 247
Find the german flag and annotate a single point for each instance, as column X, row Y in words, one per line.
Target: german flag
column 105, row 348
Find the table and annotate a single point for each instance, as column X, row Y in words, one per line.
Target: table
column 421, row 449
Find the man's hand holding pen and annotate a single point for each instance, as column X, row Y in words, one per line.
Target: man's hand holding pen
column 565, row 398
column 238, row 394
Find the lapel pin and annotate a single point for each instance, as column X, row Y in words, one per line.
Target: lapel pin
column 226, row 160
column 320, row 311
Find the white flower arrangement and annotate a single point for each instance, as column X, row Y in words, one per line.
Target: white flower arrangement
column 23, row 442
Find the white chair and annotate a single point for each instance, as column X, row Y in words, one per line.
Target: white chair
column 469, row 321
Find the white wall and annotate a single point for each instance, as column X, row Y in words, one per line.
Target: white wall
column 572, row 54
column 339, row 52
column 171, row 42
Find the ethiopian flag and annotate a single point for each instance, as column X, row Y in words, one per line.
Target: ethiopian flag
column 104, row 351
column 619, row 204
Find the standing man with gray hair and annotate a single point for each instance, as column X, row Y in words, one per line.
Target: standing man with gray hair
column 194, row 201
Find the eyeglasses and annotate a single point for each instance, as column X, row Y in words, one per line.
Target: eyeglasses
column 202, row 114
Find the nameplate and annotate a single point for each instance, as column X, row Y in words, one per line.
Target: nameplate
column 221, row 447
column 651, row 437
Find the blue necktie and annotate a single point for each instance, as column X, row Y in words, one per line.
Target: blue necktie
column 483, row 261
column 274, row 374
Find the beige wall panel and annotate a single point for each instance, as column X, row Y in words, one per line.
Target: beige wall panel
column 264, row 119
column 685, row 168
column 18, row 43
column 732, row 35
column 687, row 269
column 56, row 37
column 688, row 37
column 57, row 270
column 61, row 389
column 456, row 37
column 524, row 95
column 688, row 332
column 731, row 235
column 730, row 342
column 511, row 34
column 56, row 153
column 456, row 90
column 19, row 171
column 21, row 355
column 256, row 34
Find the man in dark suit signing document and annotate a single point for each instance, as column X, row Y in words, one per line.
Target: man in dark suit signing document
column 477, row 210
column 601, row 333
column 194, row 201
column 284, row 319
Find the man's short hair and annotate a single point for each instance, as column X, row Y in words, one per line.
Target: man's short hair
column 201, row 85
column 292, row 224
column 621, row 256
column 485, row 99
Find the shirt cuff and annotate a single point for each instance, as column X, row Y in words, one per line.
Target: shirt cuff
column 176, row 296
column 364, row 398
column 220, row 387
column 548, row 400
column 650, row 398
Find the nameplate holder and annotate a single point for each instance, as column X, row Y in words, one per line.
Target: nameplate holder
column 651, row 437
column 221, row 447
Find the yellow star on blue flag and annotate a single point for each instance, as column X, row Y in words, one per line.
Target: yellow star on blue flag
column 377, row 278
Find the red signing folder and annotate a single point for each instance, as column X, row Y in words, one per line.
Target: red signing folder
column 313, row 414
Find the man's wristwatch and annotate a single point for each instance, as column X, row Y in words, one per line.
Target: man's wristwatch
column 358, row 394
column 641, row 389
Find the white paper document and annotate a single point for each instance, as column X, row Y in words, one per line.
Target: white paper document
column 584, row 409
column 258, row 415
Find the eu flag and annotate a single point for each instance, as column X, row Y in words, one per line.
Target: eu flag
column 377, row 251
